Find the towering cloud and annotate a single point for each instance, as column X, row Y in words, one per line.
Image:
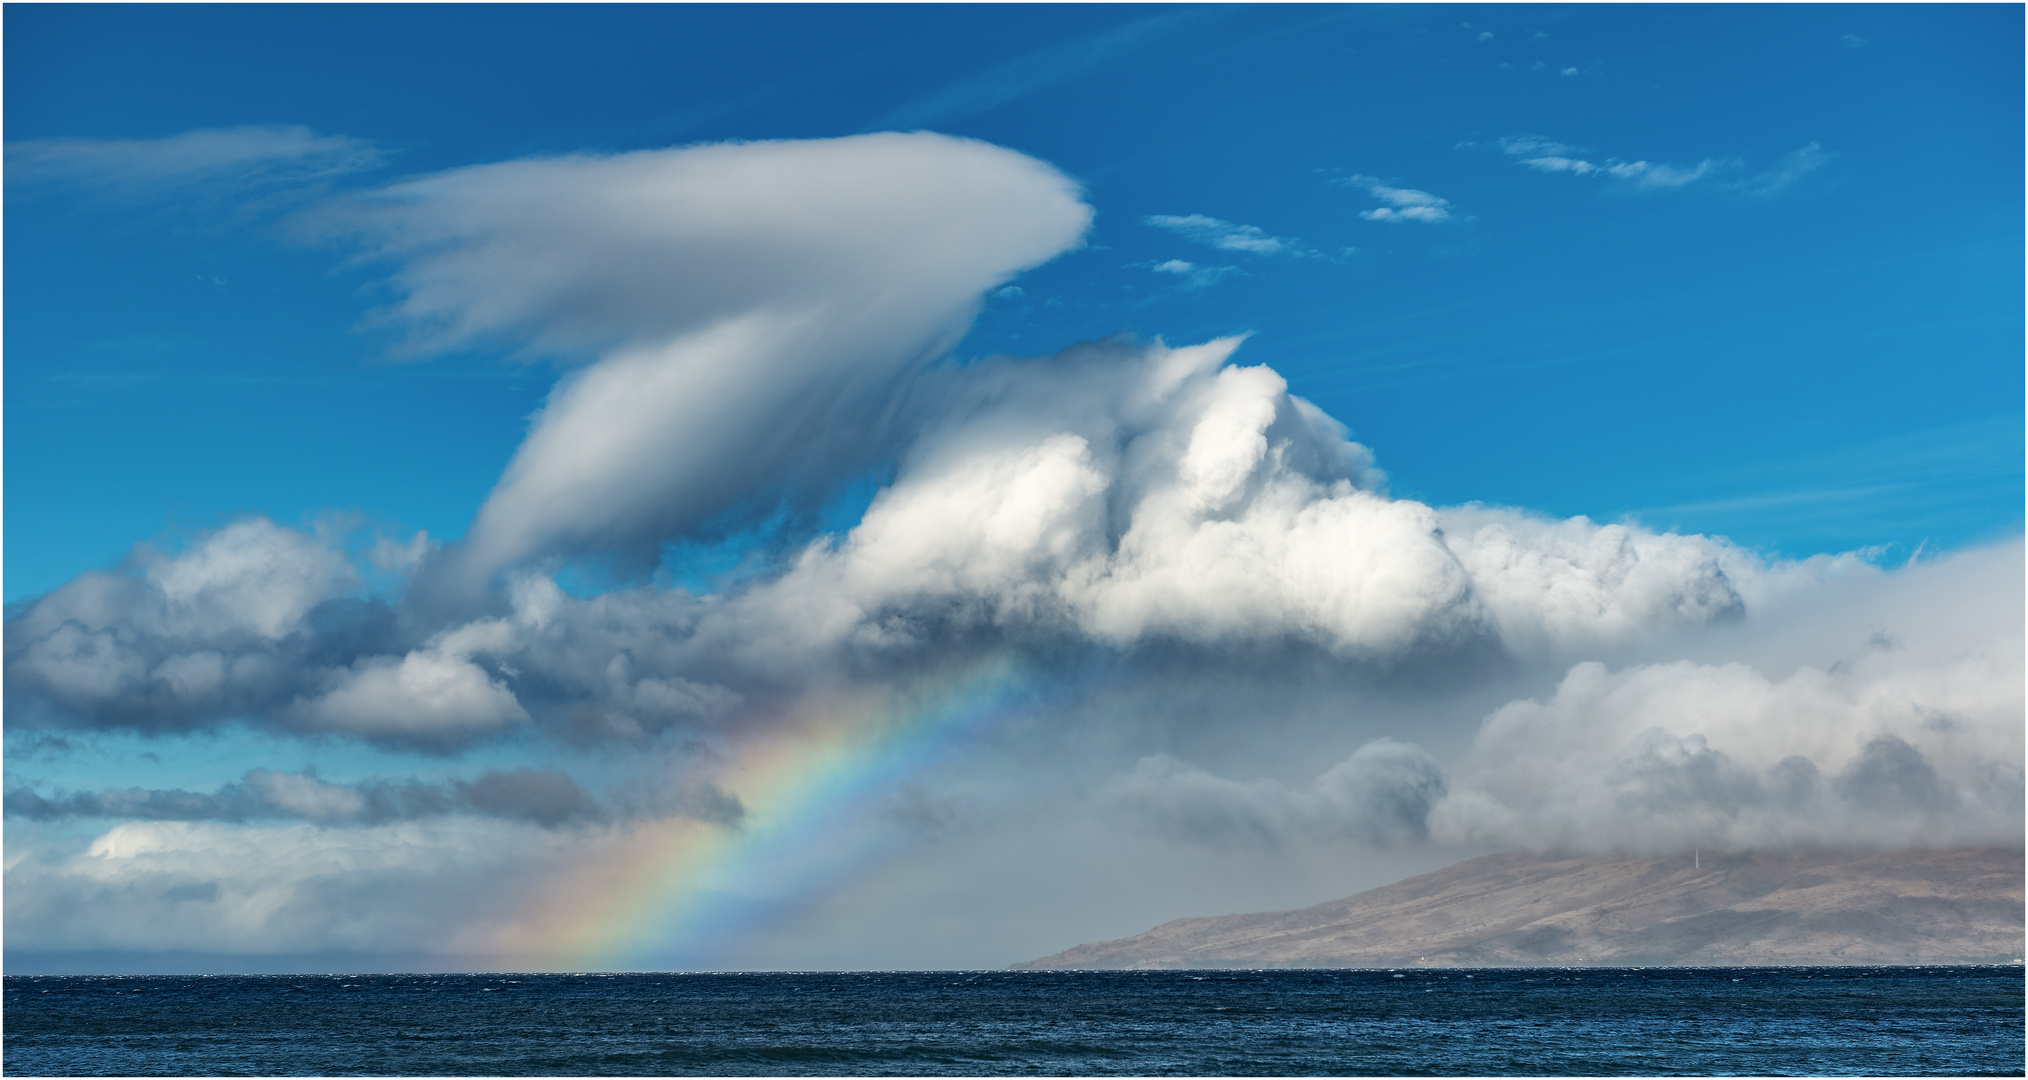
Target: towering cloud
column 1115, row 497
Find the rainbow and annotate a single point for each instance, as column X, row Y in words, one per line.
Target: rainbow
column 670, row 893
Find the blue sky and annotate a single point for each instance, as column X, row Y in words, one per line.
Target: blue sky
column 1822, row 367
column 1746, row 280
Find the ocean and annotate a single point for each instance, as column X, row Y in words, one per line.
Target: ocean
column 1882, row 1021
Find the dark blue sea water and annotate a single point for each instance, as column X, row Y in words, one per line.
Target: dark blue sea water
column 1598, row 1021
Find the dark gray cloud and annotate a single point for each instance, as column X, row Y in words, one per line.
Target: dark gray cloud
column 545, row 797
column 1892, row 777
column 1381, row 795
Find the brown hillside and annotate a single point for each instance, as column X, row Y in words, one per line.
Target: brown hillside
column 1905, row 907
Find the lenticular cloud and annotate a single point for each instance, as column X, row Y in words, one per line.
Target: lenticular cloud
column 750, row 308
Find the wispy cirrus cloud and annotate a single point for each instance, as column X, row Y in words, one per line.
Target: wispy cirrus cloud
column 1549, row 156
column 1227, row 236
column 211, row 160
column 1402, row 203
column 1787, row 169
column 1193, row 275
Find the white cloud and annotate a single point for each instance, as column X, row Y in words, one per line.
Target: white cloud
column 1648, row 175
column 1133, row 494
column 1226, row 236
column 1403, row 204
column 425, row 697
column 747, row 301
column 1914, row 736
column 247, row 576
column 1549, row 156
column 1558, row 587
column 1667, row 756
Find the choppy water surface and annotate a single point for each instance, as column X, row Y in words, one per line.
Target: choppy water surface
column 1877, row 1021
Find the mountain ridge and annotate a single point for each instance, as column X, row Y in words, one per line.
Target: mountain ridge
column 1958, row 905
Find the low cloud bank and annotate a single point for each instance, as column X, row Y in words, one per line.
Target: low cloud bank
column 443, row 887
column 1909, row 739
column 547, row 797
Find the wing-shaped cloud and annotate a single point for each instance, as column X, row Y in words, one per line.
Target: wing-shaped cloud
column 749, row 307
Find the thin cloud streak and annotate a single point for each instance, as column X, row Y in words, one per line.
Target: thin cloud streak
column 1035, row 71
column 1226, row 236
column 205, row 165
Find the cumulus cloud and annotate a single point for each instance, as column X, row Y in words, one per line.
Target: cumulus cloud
column 1118, row 495
column 1403, row 204
column 174, row 642
column 432, row 694
column 1127, row 494
column 1558, row 587
column 1226, row 236
column 750, row 306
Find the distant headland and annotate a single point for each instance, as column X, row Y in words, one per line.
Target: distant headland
column 1954, row 906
